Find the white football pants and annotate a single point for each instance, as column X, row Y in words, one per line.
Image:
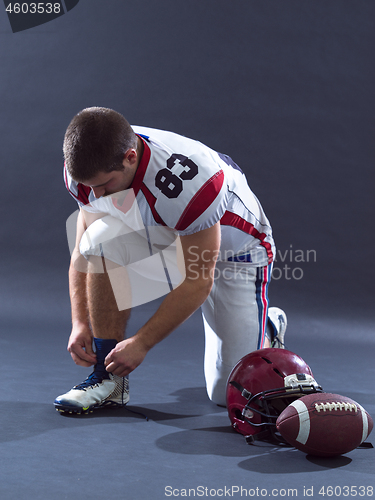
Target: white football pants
column 235, row 321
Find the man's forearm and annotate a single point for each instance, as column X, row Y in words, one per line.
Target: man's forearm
column 78, row 296
column 174, row 310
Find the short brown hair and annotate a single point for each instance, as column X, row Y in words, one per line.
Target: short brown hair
column 96, row 141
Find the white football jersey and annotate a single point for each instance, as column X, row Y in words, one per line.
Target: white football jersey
column 184, row 185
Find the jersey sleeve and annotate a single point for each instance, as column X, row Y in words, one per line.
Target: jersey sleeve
column 193, row 193
column 78, row 191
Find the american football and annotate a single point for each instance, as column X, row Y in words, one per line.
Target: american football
column 324, row 424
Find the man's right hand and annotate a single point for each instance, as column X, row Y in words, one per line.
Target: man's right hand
column 80, row 346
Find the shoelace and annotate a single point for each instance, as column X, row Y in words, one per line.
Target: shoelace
column 95, row 378
column 276, row 341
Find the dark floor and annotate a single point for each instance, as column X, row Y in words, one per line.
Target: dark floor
column 187, row 443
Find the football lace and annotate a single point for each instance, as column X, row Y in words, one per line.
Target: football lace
column 336, row 406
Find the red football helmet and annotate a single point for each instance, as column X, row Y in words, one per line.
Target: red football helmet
column 261, row 385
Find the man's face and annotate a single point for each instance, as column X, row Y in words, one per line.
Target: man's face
column 105, row 183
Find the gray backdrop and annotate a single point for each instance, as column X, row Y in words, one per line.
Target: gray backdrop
column 285, row 88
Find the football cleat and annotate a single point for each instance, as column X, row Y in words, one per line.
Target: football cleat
column 279, row 322
column 97, row 391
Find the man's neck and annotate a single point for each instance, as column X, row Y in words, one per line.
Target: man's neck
column 140, row 148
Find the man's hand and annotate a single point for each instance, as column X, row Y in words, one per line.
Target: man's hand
column 125, row 357
column 80, row 346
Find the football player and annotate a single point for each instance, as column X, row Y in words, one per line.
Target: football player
column 132, row 185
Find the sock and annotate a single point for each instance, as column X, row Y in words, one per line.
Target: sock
column 103, row 347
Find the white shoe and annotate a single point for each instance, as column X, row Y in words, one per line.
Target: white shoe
column 95, row 392
column 278, row 319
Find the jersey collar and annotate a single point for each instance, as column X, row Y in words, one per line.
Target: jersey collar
column 142, row 167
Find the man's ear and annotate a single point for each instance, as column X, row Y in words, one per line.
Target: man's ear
column 130, row 156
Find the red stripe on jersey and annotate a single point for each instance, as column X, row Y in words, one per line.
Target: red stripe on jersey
column 141, row 169
column 83, row 191
column 151, row 200
column 201, row 201
column 234, row 220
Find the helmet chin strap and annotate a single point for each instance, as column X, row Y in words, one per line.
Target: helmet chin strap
column 246, row 394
